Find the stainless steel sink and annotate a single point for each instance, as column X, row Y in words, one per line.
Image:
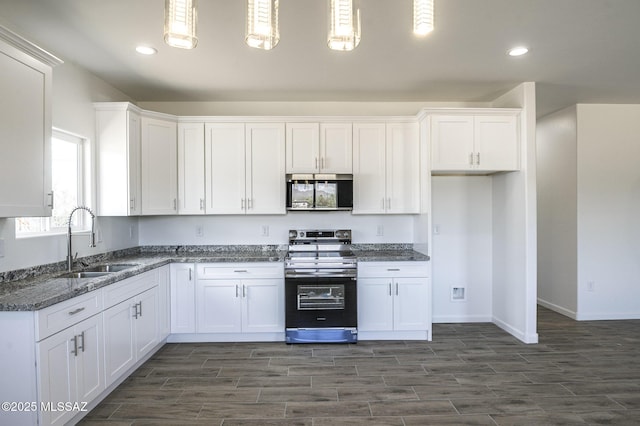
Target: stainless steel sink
column 83, row 274
column 113, row 267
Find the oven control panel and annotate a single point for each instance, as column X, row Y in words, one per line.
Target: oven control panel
column 314, row 236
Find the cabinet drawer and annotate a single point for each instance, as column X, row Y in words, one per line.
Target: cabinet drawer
column 392, row 269
column 65, row 314
column 240, row 270
column 125, row 289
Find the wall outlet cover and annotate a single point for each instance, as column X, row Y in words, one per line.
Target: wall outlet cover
column 1, row 247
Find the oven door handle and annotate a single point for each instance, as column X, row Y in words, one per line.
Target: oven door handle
column 320, row 275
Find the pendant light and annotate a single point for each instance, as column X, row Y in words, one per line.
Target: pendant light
column 423, row 17
column 262, row 24
column 180, row 18
column 344, row 24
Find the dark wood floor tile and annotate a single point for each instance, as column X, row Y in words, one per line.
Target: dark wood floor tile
column 421, row 380
column 269, row 382
column 204, row 395
column 519, row 406
column 301, row 360
column 97, row 422
column 167, row 372
column 490, row 379
column 368, row 421
column 459, row 420
column 132, row 395
column 382, row 351
column 617, row 418
column 233, row 410
column 315, row 371
column 604, row 388
column 284, row 351
column 169, row 411
column 630, row 402
column 327, row 409
column 524, row 366
column 240, row 371
column 235, row 362
column 365, row 360
column 560, row 377
column 554, row 419
column 337, row 350
column 559, row 357
column 383, row 393
column 390, row 370
column 345, row 381
column 268, row 422
column 411, row 408
column 492, row 357
column 298, row 395
column 200, row 382
column 457, row 367
column 528, row 389
column 177, row 422
column 577, row 404
column 103, row 411
column 438, row 391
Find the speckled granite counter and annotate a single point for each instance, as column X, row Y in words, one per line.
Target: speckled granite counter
column 39, row 287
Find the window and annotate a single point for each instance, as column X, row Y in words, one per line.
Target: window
column 67, row 175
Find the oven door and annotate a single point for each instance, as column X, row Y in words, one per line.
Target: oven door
column 321, row 302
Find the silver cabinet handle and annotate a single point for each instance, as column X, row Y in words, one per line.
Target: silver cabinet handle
column 131, row 204
column 240, row 270
column 140, row 303
column 393, row 269
column 76, row 311
column 244, row 290
column 478, row 159
column 242, row 203
column 236, row 290
column 135, row 311
column 189, row 274
column 471, row 159
column 316, row 162
column 50, row 194
column 201, row 203
column 389, row 289
column 382, row 203
column 175, row 204
column 75, row 345
column 81, row 336
column 397, row 289
column 249, row 203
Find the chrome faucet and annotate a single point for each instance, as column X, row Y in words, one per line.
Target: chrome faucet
column 92, row 236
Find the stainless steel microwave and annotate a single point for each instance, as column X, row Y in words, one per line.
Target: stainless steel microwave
column 319, row 192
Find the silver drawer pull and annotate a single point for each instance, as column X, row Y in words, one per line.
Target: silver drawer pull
column 75, row 311
column 393, row 269
column 240, row 270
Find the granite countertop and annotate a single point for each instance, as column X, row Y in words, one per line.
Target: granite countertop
column 36, row 288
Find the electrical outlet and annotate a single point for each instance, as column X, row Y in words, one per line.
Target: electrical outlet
column 98, row 235
column 380, row 231
column 265, row 230
column 436, row 229
column 591, row 286
column 1, row 247
column 199, row 231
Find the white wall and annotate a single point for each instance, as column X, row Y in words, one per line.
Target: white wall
column 608, row 211
column 73, row 92
column 515, row 229
column 462, row 247
column 557, row 215
column 181, row 230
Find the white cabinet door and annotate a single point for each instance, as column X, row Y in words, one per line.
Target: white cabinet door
column 118, row 132
column 369, row 163
column 146, row 322
column 336, row 148
column 90, row 359
column 410, row 304
column 263, row 309
column 159, row 167
column 183, row 298
column 191, row 177
column 164, row 302
column 119, row 337
column 452, row 142
column 25, row 134
column 302, row 148
column 375, row 304
column 265, row 180
column 225, row 168
column 218, row 306
column 57, row 374
column 496, row 143
column 71, row 368
column 403, row 171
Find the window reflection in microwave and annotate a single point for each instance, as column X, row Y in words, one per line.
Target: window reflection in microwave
column 302, row 195
column 326, row 194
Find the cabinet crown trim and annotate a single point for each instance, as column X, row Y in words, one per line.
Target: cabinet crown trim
column 26, row 46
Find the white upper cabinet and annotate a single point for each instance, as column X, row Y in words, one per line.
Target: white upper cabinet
column 118, row 156
column 386, row 168
column 245, row 172
column 483, row 143
column 159, row 166
column 25, row 127
column 319, row 148
column 191, row 179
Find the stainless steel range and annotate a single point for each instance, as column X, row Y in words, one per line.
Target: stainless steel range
column 320, row 287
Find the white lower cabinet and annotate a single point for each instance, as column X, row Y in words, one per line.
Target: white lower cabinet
column 131, row 322
column 393, row 300
column 71, row 369
column 183, row 298
column 240, row 298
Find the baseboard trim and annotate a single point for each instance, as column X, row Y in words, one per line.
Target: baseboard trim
column 607, row 316
column 557, row 308
column 528, row 338
column 443, row 319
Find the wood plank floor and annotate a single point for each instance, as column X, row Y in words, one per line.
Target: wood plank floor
column 470, row 374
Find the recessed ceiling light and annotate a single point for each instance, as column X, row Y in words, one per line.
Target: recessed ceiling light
column 146, row 50
column 518, row 51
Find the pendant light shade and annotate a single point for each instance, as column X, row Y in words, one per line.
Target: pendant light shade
column 423, row 17
column 262, row 24
column 180, row 19
column 344, row 24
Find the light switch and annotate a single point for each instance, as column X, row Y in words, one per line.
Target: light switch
column 1, row 247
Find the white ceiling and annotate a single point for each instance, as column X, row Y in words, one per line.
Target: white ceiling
column 581, row 51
